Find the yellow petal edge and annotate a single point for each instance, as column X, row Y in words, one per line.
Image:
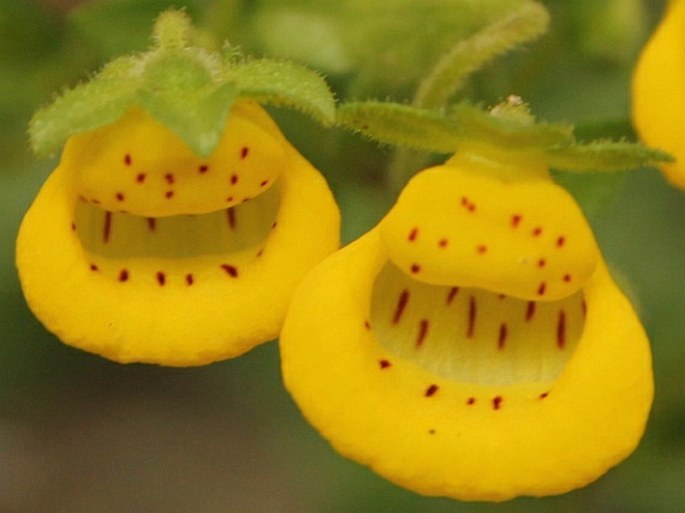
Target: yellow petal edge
column 459, row 391
column 126, row 276
column 658, row 102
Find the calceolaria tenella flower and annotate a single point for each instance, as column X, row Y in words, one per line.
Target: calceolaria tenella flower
column 473, row 344
column 148, row 244
column 658, row 100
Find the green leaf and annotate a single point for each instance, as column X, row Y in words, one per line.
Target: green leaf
column 285, row 83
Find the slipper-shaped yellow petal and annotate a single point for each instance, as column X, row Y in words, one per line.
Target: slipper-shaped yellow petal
column 456, row 388
column 657, row 95
column 140, row 251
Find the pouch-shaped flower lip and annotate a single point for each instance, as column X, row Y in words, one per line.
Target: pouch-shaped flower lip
column 128, row 261
column 460, row 391
column 658, row 103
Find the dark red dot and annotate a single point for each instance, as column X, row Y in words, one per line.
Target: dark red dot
column 232, row 271
column 415, row 268
column 530, row 310
column 264, row 183
column 73, row 227
column 367, row 325
column 140, row 177
column 203, row 169
column 244, row 151
column 384, row 364
column 471, row 401
column 94, row 267
column 189, row 279
column 161, row 278
column 497, row 402
column 537, row 231
column 234, row 179
column 543, row 395
column 120, row 196
column 169, row 178
column 542, row 263
column 443, row 243
column 482, row 249
column 128, row 160
column 123, row 275
column 413, row 234
column 431, row 390
column 515, row 220
column 169, row 194
column 561, row 241
column 567, row 278
column 229, row 199
column 542, row 288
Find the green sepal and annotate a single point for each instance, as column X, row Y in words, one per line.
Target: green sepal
column 285, row 83
column 605, row 156
column 507, row 127
column 185, row 87
column 431, row 131
column 90, row 105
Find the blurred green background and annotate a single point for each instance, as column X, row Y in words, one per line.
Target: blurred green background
column 79, row 433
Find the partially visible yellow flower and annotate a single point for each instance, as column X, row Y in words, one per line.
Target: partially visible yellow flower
column 141, row 251
column 658, row 84
column 472, row 345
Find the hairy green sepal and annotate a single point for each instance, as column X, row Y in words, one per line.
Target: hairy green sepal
column 186, row 87
column 507, row 127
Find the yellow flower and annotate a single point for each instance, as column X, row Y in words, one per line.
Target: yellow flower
column 472, row 345
column 658, row 99
column 139, row 250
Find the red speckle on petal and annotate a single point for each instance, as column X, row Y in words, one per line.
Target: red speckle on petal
column 169, row 194
column 264, row 183
column 567, row 278
column 244, row 151
column 190, row 279
column 431, row 390
column 537, row 231
column 497, row 402
column 151, row 224
column 384, row 364
column 161, row 278
column 94, row 267
column 423, row 332
column 530, row 311
column 169, row 178
column 471, row 401
column 452, row 294
column 442, row 243
column 234, row 179
column 401, row 305
column 73, row 227
column 542, row 288
column 471, row 329
column 543, row 395
column 120, row 196
column 502, row 338
column 561, row 330
column 230, row 215
column 123, row 275
column 367, row 325
column 413, row 234
column 128, row 160
column 515, row 220
column 232, row 271
column 203, row 169
column 482, row 249
column 415, row 268
column 542, row 263
column 561, row 241
column 140, row 177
